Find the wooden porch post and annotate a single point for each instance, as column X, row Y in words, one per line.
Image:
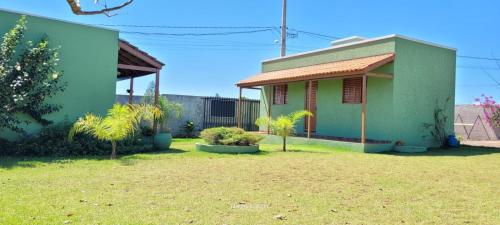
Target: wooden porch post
column 269, row 103
column 131, row 90
column 309, row 105
column 239, row 109
column 157, row 95
column 363, row 109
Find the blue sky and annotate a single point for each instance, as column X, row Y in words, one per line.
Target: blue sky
column 211, row 65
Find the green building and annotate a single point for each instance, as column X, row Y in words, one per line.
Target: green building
column 368, row 93
column 92, row 60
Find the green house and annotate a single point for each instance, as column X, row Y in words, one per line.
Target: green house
column 368, row 93
column 92, row 59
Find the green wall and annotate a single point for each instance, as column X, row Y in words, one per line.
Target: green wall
column 396, row 109
column 88, row 58
column 364, row 50
column 424, row 74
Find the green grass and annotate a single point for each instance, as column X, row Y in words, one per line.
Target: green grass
column 308, row 185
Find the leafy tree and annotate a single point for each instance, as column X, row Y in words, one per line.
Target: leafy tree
column 491, row 110
column 120, row 122
column 283, row 126
column 27, row 79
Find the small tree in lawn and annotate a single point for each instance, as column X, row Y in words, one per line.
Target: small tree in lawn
column 120, row 122
column 283, row 126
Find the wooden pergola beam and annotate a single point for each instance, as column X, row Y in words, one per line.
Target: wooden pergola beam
column 140, row 55
column 239, row 108
column 363, row 109
column 309, row 107
column 269, row 103
column 137, row 68
column 157, row 98
column 131, row 90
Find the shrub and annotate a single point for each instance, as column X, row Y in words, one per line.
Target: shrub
column 188, row 129
column 229, row 136
column 52, row 141
column 28, row 76
column 147, row 131
column 120, row 123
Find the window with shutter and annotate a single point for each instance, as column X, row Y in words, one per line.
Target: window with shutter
column 280, row 94
column 351, row 91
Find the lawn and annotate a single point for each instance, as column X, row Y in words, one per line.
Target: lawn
column 308, row 185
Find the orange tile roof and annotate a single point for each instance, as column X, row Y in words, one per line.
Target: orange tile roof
column 349, row 67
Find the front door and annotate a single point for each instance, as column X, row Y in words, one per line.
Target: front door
column 314, row 93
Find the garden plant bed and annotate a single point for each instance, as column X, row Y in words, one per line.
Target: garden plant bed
column 227, row 148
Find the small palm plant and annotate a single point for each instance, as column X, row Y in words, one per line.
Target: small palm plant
column 283, row 126
column 169, row 110
column 120, row 122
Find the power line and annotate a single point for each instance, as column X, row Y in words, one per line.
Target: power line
column 328, row 37
column 195, row 34
column 254, row 29
column 313, row 34
column 491, row 77
column 477, row 67
column 185, row 27
column 478, row 57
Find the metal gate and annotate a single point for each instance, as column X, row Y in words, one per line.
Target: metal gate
column 219, row 112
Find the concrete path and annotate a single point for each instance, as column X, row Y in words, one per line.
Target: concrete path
column 492, row 144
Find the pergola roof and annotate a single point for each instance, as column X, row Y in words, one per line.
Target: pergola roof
column 133, row 62
column 357, row 66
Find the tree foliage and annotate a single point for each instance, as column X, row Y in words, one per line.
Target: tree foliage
column 120, row 122
column 27, row 79
column 169, row 109
column 283, row 126
column 491, row 110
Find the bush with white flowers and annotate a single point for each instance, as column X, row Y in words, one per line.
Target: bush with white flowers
column 27, row 79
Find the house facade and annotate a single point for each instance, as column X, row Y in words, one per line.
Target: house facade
column 380, row 90
column 92, row 60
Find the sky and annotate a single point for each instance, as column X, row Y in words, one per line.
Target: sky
column 210, row 65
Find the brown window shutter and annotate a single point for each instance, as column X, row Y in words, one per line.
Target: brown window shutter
column 352, row 90
column 280, row 94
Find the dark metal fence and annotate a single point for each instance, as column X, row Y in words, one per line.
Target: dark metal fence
column 224, row 112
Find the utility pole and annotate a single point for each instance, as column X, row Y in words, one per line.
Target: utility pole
column 283, row 30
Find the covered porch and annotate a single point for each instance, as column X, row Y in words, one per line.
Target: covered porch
column 134, row 63
column 361, row 69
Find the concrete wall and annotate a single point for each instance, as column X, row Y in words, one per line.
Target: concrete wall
column 424, row 75
column 88, row 58
column 192, row 110
column 469, row 114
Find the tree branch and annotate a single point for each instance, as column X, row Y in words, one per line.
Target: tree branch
column 76, row 8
